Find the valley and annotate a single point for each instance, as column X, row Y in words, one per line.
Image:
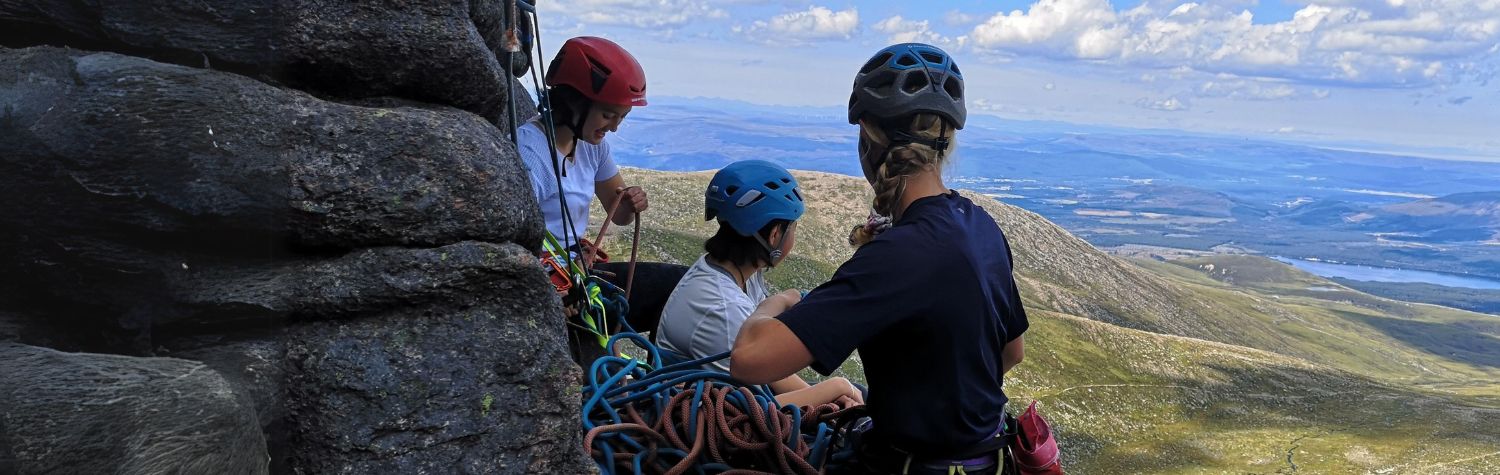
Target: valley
column 1209, row 363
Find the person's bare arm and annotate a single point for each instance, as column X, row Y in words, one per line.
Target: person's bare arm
column 835, row 390
column 789, row 384
column 1012, row 355
column 766, row 350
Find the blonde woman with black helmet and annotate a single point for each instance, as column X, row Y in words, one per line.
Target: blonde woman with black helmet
column 928, row 298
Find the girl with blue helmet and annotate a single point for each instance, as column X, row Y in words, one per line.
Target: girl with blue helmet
column 757, row 204
column 928, row 298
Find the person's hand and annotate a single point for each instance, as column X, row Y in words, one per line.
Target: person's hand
column 843, row 392
column 790, row 296
column 846, row 402
column 634, row 197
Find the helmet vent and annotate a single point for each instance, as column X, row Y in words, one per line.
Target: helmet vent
column 772, row 185
column 598, row 66
column 598, row 75
column 907, row 60
column 597, row 80
column 931, row 57
column 798, row 194
column 731, row 189
column 786, row 180
column 875, row 63
column 882, row 81
column 954, row 67
column 954, row 89
column 751, row 197
column 914, row 83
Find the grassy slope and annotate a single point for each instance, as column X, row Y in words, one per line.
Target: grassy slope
column 1477, row 300
column 1437, row 347
column 1127, row 401
column 1337, row 392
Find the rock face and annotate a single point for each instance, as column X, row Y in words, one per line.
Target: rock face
column 170, row 149
column 254, row 369
column 90, row 413
column 152, row 174
column 444, row 52
column 312, row 206
column 433, row 388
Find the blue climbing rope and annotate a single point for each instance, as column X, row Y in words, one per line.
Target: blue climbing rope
column 650, row 417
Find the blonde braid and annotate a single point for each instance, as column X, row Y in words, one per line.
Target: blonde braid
column 901, row 161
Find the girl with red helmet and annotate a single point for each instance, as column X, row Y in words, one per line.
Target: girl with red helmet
column 593, row 84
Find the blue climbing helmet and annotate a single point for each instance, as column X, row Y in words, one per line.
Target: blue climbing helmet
column 750, row 194
column 907, row 78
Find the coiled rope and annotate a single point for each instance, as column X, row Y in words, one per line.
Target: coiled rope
column 648, row 418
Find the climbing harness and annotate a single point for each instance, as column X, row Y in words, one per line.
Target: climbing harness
column 648, row 417
column 604, row 299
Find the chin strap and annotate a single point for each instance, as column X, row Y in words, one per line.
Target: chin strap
column 774, row 251
column 577, row 125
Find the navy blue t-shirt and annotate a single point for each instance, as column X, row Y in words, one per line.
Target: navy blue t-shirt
column 929, row 304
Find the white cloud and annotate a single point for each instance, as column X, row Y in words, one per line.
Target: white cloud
column 815, row 23
column 958, row 18
column 901, row 30
column 1353, row 42
column 633, row 13
column 1170, row 104
column 1059, row 28
column 1234, row 87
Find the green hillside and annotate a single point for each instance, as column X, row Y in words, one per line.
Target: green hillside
column 1150, row 367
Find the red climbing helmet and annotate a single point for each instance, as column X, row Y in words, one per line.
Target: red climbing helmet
column 601, row 70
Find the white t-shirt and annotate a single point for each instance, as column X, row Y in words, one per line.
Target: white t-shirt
column 590, row 164
column 704, row 314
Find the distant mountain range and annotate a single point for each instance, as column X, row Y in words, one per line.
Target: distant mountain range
column 1114, row 186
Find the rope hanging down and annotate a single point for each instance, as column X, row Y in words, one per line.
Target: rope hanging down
column 648, row 418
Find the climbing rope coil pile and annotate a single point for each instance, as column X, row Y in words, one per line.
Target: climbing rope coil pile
column 648, row 418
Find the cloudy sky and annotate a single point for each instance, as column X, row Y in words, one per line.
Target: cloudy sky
column 1415, row 76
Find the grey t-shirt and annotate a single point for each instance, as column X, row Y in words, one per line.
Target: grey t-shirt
column 704, row 314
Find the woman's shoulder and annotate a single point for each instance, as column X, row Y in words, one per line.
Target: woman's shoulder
column 901, row 248
column 703, row 282
column 530, row 140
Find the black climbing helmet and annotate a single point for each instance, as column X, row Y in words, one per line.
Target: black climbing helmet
column 908, row 78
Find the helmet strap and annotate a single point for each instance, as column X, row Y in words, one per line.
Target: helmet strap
column 773, row 251
column 577, row 125
column 898, row 138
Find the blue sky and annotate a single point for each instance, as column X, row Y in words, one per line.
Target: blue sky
column 1414, row 76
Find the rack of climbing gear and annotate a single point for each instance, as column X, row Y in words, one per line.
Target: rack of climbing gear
column 645, row 417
